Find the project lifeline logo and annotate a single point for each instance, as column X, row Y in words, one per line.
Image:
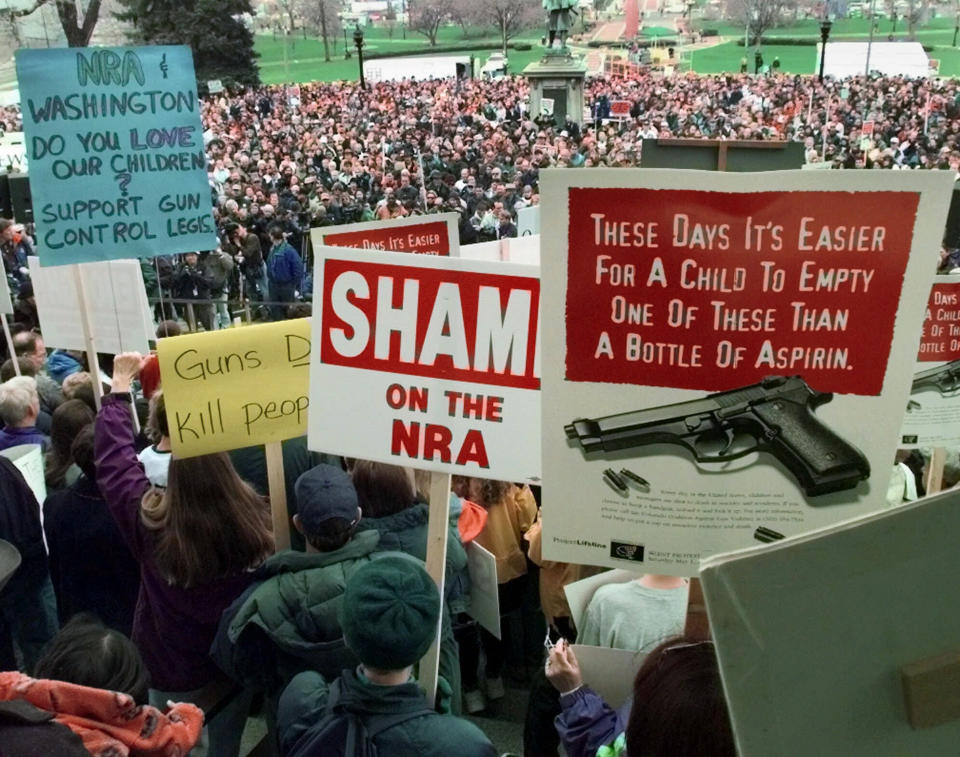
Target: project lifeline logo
column 582, row 542
column 620, row 550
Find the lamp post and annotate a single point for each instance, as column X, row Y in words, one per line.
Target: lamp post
column 358, row 41
column 825, row 25
column 956, row 25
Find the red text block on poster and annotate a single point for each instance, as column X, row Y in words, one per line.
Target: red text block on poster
column 940, row 338
column 716, row 290
column 457, row 325
column 430, row 238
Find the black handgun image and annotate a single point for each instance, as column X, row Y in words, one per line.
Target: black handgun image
column 944, row 378
column 777, row 413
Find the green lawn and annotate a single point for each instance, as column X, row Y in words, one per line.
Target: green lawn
column 302, row 60
column 657, row 31
column 799, row 59
column 937, row 31
column 794, row 59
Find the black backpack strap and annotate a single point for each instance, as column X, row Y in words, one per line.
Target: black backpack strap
column 377, row 724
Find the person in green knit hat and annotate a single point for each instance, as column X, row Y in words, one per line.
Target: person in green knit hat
column 389, row 614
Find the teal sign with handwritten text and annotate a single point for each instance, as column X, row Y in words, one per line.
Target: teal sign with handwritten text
column 116, row 154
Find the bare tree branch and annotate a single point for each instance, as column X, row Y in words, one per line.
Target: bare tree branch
column 78, row 32
column 426, row 16
column 13, row 13
column 758, row 15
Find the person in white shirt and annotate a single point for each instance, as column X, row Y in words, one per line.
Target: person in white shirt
column 156, row 458
column 636, row 615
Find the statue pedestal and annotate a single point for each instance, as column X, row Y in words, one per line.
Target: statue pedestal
column 557, row 77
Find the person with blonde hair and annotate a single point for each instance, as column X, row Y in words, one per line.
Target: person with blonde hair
column 19, row 408
column 73, row 383
column 197, row 542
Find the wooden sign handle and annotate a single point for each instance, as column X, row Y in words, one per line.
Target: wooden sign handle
column 938, row 459
column 278, row 495
column 6, row 335
column 87, row 326
column 697, row 624
column 438, row 528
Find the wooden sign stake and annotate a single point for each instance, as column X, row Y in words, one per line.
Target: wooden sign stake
column 438, row 528
column 6, row 334
column 934, row 482
column 697, row 624
column 94, row 365
column 278, row 495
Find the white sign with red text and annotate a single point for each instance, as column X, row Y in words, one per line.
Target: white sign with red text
column 433, row 234
column 427, row 361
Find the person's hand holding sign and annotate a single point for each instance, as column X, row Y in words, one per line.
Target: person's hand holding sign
column 126, row 367
column 562, row 668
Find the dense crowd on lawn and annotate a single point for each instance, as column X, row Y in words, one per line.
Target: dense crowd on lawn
column 335, row 153
column 285, row 159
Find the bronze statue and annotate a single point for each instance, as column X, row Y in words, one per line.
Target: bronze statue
column 558, row 21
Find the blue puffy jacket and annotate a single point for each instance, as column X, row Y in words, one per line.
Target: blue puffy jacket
column 60, row 365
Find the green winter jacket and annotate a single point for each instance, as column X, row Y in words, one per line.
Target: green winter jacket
column 287, row 622
column 406, row 531
column 303, row 705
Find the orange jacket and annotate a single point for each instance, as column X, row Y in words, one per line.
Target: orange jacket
column 109, row 723
column 507, row 522
column 554, row 576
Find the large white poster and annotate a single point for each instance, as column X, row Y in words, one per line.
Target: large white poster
column 728, row 356
column 816, row 637
column 116, row 300
column 426, row 361
column 6, row 302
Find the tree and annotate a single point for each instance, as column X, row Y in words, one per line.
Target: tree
column 216, row 30
column 467, row 14
column 11, row 16
column 426, row 16
column 289, row 10
column 915, row 14
column 322, row 15
column 758, row 15
column 512, row 16
column 77, row 31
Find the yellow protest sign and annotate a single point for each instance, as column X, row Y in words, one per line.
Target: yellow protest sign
column 236, row 387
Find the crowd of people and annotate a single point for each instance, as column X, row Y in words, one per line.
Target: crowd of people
column 152, row 582
column 283, row 160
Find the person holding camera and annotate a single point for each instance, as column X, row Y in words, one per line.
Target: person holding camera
column 249, row 256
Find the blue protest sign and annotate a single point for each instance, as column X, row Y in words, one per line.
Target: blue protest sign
column 117, row 161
